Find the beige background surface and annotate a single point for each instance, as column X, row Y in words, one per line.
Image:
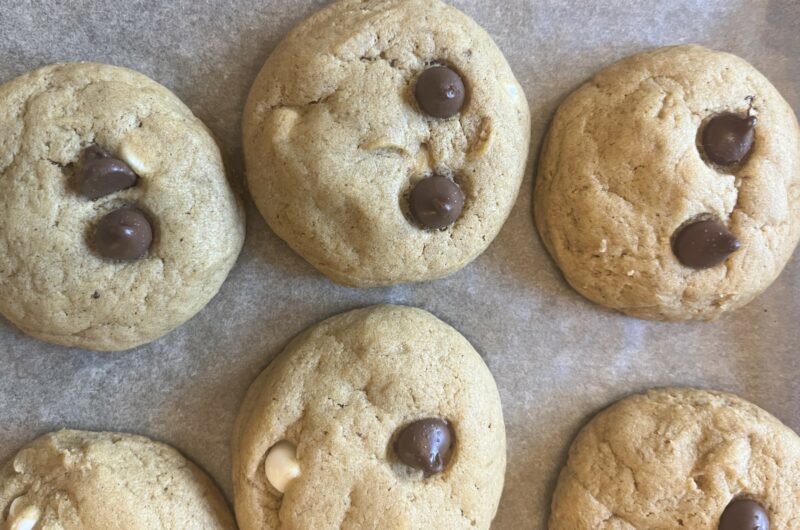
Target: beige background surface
column 556, row 357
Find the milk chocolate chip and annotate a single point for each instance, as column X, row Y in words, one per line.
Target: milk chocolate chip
column 728, row 138
column 93, row 152
column 101, row 174
column 744, row 514
column 440, row 92
column 436, row 202
column 425, row 444
column 123, row 234
column 704, row 244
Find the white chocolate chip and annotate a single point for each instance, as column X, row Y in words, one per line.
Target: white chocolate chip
column 141, row 154
column 132, row 157
column 631, row 273
column 603, row 246
column 281, row 465
column 25, row 519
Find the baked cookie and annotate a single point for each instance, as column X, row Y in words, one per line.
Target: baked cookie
column 117, row 223
column 680, row 458
column 385, row 141
column 669, row 185
column 383, row 417
column 74, row 480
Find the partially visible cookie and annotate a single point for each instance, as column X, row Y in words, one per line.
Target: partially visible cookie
column 385, row 141
column 383, row 417
column 680, row 458
column 74, row 480
column 669, row 185
column 117, row 222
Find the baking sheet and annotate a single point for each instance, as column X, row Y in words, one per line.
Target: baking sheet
column 556, row 357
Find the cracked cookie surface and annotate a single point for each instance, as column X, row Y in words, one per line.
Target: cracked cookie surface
column 53, row 285
column 74, row 480
column 675, row 458
column 334, row 140
column 621, row 170
column 339, row 393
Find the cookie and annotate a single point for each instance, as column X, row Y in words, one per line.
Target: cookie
column 669, row 185
column 383, row 417
column 75, row 480
column 117, row 222
column 385, row 141
column 680, row 458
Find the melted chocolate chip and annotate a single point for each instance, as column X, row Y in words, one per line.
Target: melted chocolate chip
column 728, row 138
column 440, row 92
column 704, row 244
column 103, row 176
column 744, row 514
column 436, row 202
column 123, row 234
column 425, row 444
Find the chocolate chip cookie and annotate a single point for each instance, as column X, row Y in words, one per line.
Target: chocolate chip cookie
column 117, row 222
column 669, row 185
column 383, row 417
column 680, row 458
column 385, row 141
column 75, row 480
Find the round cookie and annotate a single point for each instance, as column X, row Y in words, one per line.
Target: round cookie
column 635, row 156
column 340, row 410
column 677, row 458
column 80, row 142
column 74, row 480
column 336, row 139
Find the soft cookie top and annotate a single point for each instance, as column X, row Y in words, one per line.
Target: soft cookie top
column 680, row 458
column 386, row 141
column 383, row 417
column 73, row 480
column 117, row 222
column 669, row 185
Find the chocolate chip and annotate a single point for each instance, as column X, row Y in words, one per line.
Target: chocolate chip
column 123, row 234
column 704, row 244
column 93, row 152
column 436, row 202
column 101, row 176
column 440, row 92
column 744, row 514
column 425, row 444
column 728, row 138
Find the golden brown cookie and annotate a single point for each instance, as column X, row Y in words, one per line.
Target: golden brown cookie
column 385, row 141
column 117, row 223
column 383, row 417
column 669, row 185
column 680, row 458
column 75, row 480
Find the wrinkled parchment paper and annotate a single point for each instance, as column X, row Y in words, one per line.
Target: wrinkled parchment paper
column 557, row 358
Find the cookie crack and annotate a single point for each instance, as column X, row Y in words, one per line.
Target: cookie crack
column 394, row 64
column 322, row 100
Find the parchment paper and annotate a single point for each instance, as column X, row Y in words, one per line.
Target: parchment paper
column 557, row 358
